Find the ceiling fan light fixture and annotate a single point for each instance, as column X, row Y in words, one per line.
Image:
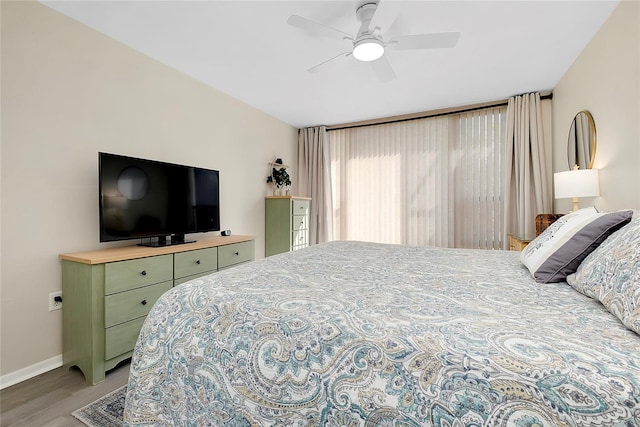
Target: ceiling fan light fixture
column 367, row 50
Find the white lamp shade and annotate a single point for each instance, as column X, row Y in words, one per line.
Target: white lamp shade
column 576, row 183
column 368, row 49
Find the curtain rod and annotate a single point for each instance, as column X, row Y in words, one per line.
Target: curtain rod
column 428, row 114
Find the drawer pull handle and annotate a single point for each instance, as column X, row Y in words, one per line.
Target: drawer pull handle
column 143, row 302
column 237, row 253
column 198, row 261
column 143, row 272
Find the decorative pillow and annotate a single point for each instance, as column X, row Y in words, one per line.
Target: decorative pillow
column 611, row 274
column 560, row 249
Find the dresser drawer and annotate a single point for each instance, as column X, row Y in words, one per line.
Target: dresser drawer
column 124, row 275
column 122, row 338
column 124, row 306
column 300, row 207
column 195, row 262
column 300, row 238
column 235, row 253
column 299, row 222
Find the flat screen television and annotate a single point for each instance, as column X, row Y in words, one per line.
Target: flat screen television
column 155, row 202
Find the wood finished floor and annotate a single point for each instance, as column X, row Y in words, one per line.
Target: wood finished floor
column 49, row 399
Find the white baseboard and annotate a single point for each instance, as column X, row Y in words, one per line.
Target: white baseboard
column 30, row 371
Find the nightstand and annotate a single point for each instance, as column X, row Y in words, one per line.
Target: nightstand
column 518, row 243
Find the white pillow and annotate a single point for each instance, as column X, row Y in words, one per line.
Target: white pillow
column 560, row 249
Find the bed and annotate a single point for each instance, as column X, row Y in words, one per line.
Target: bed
column 365, row 334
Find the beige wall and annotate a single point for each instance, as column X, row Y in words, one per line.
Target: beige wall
column 605, row 79
column 69, row 92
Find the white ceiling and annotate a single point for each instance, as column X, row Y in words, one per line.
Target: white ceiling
column 247, row 50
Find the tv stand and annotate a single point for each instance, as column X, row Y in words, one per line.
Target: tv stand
column 175, row 239
column 108, row 292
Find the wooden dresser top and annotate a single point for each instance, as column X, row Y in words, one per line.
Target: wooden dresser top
column 121, row 253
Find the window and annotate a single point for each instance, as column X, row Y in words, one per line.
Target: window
column 434, row 181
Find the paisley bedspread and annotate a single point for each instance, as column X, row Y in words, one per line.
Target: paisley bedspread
column 363, row 334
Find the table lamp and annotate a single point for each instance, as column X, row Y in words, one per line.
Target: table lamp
column 576, row 183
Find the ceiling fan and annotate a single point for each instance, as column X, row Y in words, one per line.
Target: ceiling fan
column 369, row 45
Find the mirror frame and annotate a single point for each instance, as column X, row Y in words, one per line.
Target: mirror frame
column 592, row 143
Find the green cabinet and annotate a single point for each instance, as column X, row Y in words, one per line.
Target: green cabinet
column 108, row 293
column 286, row 224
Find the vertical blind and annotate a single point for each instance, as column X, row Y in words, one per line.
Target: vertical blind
column 433, row 181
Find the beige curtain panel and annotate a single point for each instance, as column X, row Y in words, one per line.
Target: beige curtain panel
column 528, row 163
column 314, row 180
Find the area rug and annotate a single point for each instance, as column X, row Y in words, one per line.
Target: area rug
column 104, row 412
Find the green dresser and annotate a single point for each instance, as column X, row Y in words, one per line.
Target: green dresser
column 286, row 224
column 108, row 293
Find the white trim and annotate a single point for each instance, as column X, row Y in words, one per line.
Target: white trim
column 30, row 371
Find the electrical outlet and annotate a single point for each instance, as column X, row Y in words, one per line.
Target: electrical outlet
column 55, row 301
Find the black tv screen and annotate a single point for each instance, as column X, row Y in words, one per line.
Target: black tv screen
column 142, row 199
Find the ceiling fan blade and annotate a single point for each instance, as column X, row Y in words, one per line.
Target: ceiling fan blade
column 384, row 16
column 317, row 29
column 383, row 69
column 322, row 65
column 425, row 41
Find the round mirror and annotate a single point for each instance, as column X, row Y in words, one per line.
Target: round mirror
column 581, row 148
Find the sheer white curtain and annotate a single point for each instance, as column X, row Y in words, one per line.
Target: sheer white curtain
column 479, row 183
column 390, row 182
column 528, row 163
column 433, row 181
